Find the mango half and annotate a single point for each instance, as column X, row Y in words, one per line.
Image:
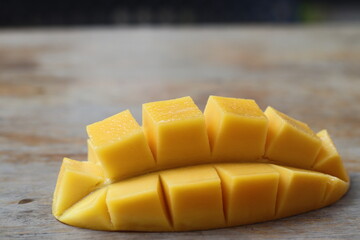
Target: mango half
column 184, row 170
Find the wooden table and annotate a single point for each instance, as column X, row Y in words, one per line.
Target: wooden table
column 55, row 82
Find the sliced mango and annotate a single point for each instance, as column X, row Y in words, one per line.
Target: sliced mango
column 205, row 197
column 237, row 129
column 176, row 132
column 92, row 157
column 299, row 191
column 335, row 189
column 138, row 205
column 328, row 160
column 120, row 146
column 76, row 180
column 90, row 212
column 290, row 141
column 183, row 170
column 194, row 198
column 249, row 191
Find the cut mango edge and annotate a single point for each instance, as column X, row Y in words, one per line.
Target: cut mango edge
column 184, row 170
column 149, row 202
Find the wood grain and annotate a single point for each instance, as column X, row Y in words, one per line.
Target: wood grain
column 55, row 82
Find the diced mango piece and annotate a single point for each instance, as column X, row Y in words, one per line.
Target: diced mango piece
column 335, row 189
column 328, row 160
column 299, row 190
column 138, row 205
column 76, row 179
column 250, row 191
column 120, row 145
column 92, row 157
column 176, row 132
column 90, row 212
column 290, row 141
column 194, row 197
column 237, row 129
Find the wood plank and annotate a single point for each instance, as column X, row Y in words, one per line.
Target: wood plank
column 55, row 82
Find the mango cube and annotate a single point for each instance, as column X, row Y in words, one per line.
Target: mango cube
column 120, row 146
column 236, row 127
column 90, row 212
column 299, row 190
column 249, row 191
column 329, row 161
column 194, row 197
column 92, row 157
column 176, row 132
column 138, row 204
column 76, row 180
column 290, row 141
column 335, row 189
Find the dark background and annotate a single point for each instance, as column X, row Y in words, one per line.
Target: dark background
column 21, row 13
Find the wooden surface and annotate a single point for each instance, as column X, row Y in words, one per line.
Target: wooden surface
column 55, row 82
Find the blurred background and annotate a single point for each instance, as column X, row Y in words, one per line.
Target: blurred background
column 110, row 12
column 66, row 64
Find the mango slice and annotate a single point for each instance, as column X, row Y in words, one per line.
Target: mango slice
column 328, row 160
column 176, row 132
column 92, row 157
column 138, row 204
column 184, row 170
column 90, row 212
column 194, row 197
column 76, row 180
column 120, row 146
column 299, row 191
column 335, row 189
column 290, row 141
column 205, row 197
column 237, row 129
column 250, row 191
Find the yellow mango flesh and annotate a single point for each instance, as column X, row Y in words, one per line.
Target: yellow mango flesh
column 76, row 180
column 91, row 212
column 299, row 191
column 92, row 157
column 176, row 132
column 194, row 197
column 204, row 197
column 138, row 205
column 245, row 169
column 290, row 141
column 120, row 146
column 328, row 160
column 237, row 129
column 335, row 189
column 250, row 191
